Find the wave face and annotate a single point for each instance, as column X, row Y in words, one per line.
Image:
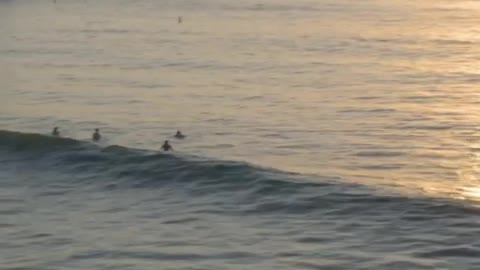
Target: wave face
column 143, row 168
column 82, row 193
column 127, row 167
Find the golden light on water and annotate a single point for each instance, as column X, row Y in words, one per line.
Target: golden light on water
column 469, row 177
column 472, row 193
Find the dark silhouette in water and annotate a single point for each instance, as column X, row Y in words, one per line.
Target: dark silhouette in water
column 96, row 135
column 167, row 147
column 179, row 135
column 55, row 132
column 179, row 19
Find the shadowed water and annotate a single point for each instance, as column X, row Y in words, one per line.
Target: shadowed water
column 73, row 204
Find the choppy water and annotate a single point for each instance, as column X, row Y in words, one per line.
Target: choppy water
column 321, row 134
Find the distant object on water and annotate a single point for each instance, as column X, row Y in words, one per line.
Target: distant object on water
column 96, row 135
column 167, row 147
column 179, row 19
column 55, row 132
column 179, row 135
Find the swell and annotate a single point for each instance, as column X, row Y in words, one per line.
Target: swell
column 140, row 167
column 17, row 141
column 253, row 190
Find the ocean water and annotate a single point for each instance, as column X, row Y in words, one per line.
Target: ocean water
column 320, row 134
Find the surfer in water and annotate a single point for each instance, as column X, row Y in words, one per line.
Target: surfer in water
column 179, row 135
column 55, row 132
column 96, row 135
column 167, row 147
